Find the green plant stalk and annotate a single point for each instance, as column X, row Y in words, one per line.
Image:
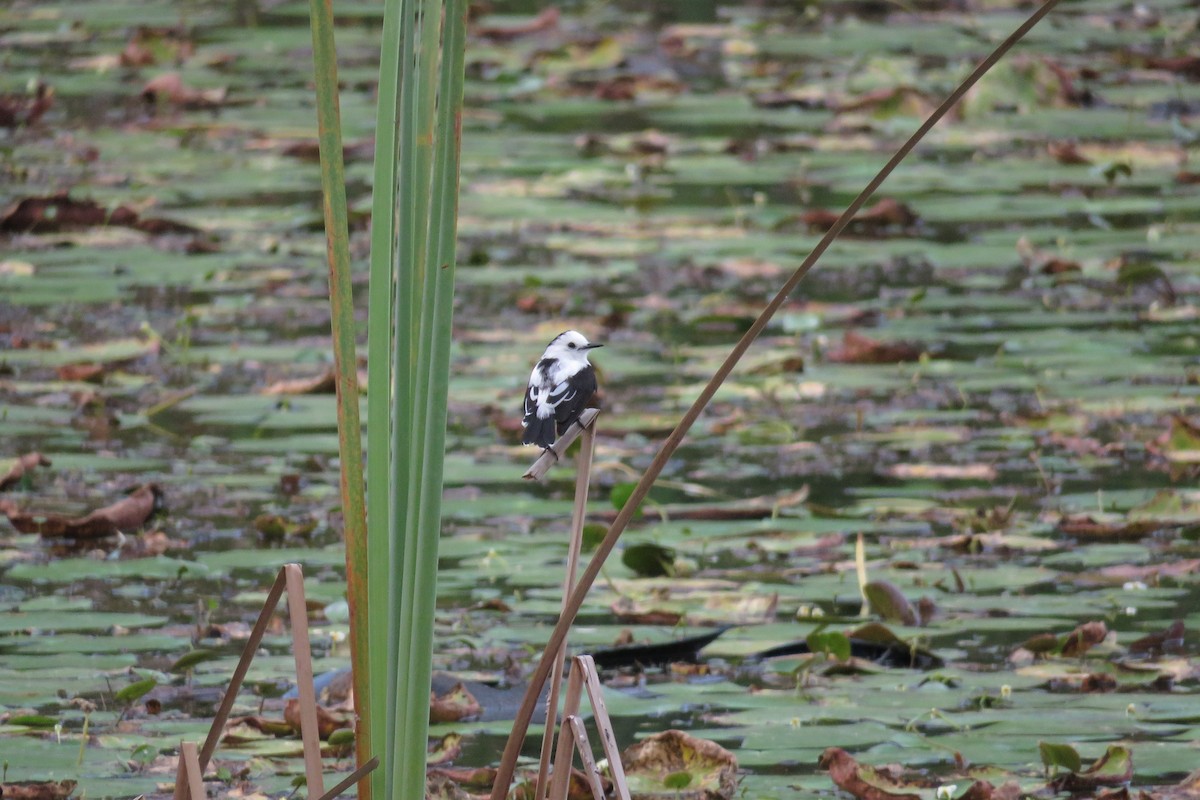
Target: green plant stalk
column 422, row 21
column 434, row 384
column 379, row 381
column 341, row 301
column 537, row 680
column 415, row 633
column 404, row 321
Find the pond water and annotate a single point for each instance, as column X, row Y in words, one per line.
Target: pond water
column 997, row 389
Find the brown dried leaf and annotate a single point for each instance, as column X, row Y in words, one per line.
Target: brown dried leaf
column 23, row 464
column 1158, row 642
column 942, row 472
column 1148, row 573
column 863, row 782
column 456, row 704
column 629, row 611
column 712, row 768
column 169, row 88
column 895, row 99
column 1187, row 66
column 544, row 22
column 123, row 516
column 83, row 373
column 149, row 545
column 24, row 109
column 58, row 212
column 136, row 54
column 273, row 727
column 1114, row 768
column 37, row 790
column 886, row 600
column 453, row 783
column 1186, row 789
column 1068, row 93
column 1084, row 638
column 1067, row 153
column 807, row 98
column 327, row 721
column 887, row 213
column 1084, row 526
column 325, row 383
column 859, row 349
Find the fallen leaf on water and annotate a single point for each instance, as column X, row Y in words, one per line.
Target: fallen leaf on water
column 1180, row 443
column 149, row 545
column 1089, row 683
column 447, row 748
column 327, row 721
column 19, row 468
column 272, row 727
column 892, row 100
column 807, row 98
column 170, row 88
column 886, row 600
column 1187, row 66
column 864, row 782
column 630, row 612
column 464, row 783
column 25, row 109
column 1066, row 153
column 886, row 213
column 678, row 765
column 942, row 472
column 859, row 349
column 325, row 383
column 123, row 516
column 1169, row 639
column 1069, row 93
column 148, row 46
column 1084, row 638
column 57, row 212
column 1113, row 768
column 82, row 373
column 456, row 704
column 1084, row 526
column 37, row 790
column 310, row 149
column 1186, row 789
column 544, row 22
column 275, row 527
column 743, row 608
column 1043, row 262
column 1149, row 574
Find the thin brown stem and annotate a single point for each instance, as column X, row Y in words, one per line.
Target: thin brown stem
column 583, row 479
column 525, row 713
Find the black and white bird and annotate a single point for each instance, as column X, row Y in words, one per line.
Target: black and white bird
column 561, row 384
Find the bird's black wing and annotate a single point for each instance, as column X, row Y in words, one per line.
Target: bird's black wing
column 571, row 397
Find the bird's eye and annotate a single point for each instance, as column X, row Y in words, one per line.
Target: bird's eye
column 571, row 345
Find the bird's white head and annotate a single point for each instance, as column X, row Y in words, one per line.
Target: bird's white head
column 570, row 346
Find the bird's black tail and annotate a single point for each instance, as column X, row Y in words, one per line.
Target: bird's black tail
column 539, row 431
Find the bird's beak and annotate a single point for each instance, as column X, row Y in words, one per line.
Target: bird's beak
column 592, row 346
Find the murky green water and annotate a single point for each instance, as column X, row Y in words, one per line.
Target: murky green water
column 1042, row 380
